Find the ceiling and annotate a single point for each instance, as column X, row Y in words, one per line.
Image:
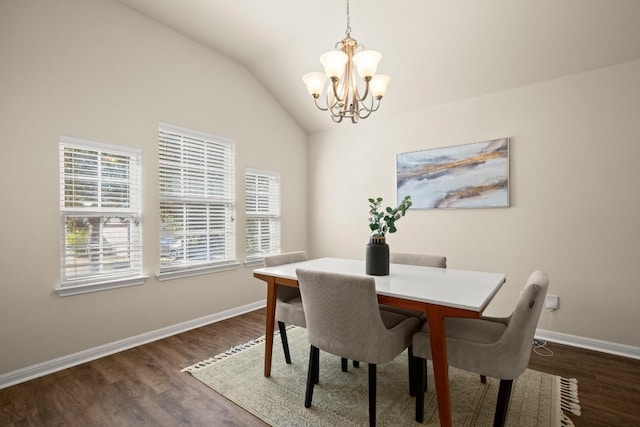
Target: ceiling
column 436, row 51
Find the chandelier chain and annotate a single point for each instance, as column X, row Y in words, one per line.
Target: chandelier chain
column 348, row 30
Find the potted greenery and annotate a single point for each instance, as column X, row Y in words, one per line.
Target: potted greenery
column 381, row 223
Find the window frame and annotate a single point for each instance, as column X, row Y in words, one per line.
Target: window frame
column 196, row 189
column 126, row 192
column 254, row 209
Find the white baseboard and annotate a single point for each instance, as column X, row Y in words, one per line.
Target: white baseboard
column 64, row 362
column 589, row 343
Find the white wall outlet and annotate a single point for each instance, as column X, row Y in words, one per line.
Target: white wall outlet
column 552, row 302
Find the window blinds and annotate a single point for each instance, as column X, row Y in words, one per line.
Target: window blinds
column 262, row 192
column 196, row 180
column 100, row 211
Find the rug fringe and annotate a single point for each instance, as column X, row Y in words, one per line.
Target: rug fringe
column 566, row 421
column 569, row 397
column 233, row 350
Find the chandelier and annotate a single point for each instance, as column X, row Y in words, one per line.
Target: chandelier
column 343, row 99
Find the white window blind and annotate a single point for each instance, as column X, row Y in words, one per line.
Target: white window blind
column 100, row 212
column 196, row 179
column 262, row 192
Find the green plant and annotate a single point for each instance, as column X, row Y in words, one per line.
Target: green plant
column 384, row 222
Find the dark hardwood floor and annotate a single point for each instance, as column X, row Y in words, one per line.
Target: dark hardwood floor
column 144, row 385
column 608, row 385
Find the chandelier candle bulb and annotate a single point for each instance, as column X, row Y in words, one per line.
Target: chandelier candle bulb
column 367, row 62
column 378, row 85
column 315, row 83
column 333, row 63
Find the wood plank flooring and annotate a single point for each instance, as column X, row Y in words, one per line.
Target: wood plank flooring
column 144, row 386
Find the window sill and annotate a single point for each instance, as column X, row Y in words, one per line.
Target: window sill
column 70, row 290
column 178, row 274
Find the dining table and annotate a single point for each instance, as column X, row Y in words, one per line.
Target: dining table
column 438, row 292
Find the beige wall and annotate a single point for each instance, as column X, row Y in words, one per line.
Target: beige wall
column 96, row 70
column 575, row 145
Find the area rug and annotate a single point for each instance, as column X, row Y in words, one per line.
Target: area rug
column 341, row 399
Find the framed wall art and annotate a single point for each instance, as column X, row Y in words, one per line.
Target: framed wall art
column 463, row 176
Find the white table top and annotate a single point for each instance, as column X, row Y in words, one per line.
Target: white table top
column 469, row 290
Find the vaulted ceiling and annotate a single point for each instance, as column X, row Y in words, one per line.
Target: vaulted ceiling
column 436, row 51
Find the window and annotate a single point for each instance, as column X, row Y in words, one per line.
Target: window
column 100, row 213
column 262, row 191
column 197, row 204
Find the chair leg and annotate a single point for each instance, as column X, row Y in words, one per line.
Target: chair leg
column 311, row 375
column 285, row 342
column 426, row 374
column 502, row 407
column 356, row 364
column 316, row 372
column 420, row 381
column 345, row 364
column 412, row 386
column 483, row 379
column 372, row 395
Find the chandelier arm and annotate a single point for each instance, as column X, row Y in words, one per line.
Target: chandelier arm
column 315, row 100
column 371, row 108
column 331, row 106
column 334, row 109
column 369, row 111
column 377, row 105
column 356, row 105
column 366, row 89
column 364, row 107
column 337, row 113
column 335, row 82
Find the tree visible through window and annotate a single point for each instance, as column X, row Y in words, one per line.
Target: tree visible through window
column 262, row 192
column 100, row 212
column 196, row 199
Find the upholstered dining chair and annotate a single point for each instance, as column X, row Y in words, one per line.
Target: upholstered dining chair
column 343, row 318
column 495, row 347
column 289, row 308
column 424, row 260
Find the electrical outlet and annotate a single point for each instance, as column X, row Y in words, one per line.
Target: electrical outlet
column 552, row 302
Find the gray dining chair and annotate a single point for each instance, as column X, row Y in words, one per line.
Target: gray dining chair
column 289, row 310
column 424, row 260
column 343, row 318
column 495, row 347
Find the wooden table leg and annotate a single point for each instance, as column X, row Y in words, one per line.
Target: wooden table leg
column 438, row 340
column 435, row 319
column 270, row 324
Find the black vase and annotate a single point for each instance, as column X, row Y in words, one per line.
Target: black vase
column 377, row 257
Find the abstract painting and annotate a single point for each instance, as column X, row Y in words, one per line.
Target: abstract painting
column 463, row 176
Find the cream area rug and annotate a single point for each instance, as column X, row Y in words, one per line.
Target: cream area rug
column 341, row 399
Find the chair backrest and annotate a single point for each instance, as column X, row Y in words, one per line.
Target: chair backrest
column 343, row 317
column 285, row 258
column 521, row 325
column 424, row 260
column 286, row 292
